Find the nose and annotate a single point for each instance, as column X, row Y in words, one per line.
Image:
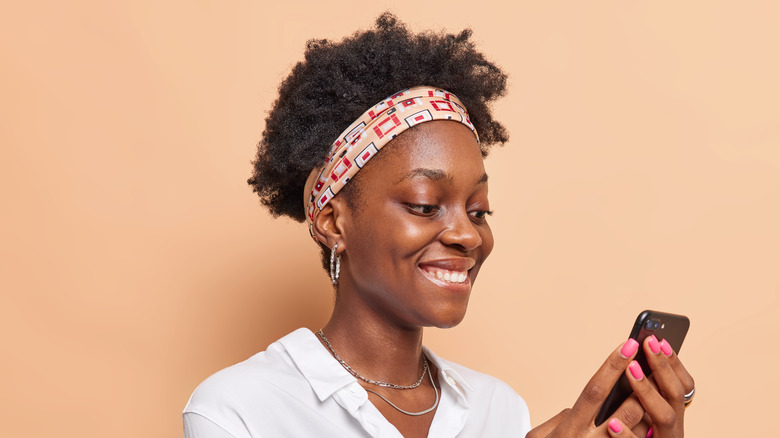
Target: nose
column 461, row 232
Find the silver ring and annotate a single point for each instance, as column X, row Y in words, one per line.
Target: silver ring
column 688, row 398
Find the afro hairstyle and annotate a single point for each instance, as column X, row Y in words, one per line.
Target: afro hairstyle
column 338, row 81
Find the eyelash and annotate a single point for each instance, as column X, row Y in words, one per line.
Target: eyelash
column 483, row 213
column 417, row 208
column 479, row 215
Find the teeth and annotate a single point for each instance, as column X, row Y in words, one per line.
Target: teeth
column 450, row 276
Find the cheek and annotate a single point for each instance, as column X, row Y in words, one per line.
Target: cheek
column 402, row 231
column 411, row 234
column 487, row 241
column 389, row 237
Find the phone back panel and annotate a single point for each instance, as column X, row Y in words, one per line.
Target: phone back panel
column 663, row 325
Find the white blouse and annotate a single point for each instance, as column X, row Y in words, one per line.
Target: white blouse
column 297, row 389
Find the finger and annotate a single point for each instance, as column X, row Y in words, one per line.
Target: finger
column 592, row 397
column 631, row 412
column 685, row 377
column 546, row 428
column 618, row 429
column 663, row 415
column 643, row 429
column 669, row 384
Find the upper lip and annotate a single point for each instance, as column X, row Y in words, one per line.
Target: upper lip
column 451, row 264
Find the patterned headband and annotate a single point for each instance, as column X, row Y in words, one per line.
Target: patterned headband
column 372, row 131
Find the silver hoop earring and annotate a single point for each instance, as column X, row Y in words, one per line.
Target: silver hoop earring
column 335, row 265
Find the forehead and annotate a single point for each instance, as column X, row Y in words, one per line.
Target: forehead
column 440, row 145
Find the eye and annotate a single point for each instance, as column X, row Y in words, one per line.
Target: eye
column 480, row 215
column 423, row 209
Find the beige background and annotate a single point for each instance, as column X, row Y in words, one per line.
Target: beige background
column 643, row 172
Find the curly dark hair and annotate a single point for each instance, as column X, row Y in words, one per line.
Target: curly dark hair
column 358, row 72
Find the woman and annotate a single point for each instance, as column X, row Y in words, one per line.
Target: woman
column 377, row 143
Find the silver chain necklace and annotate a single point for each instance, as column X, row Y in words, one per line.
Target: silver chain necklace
column 426, row 370
column 367, row 380
column 423, row 412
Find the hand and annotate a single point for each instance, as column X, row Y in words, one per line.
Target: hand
column 635, row 415
column 662, row 395
column 579, row 420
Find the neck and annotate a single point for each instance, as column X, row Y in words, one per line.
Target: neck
column 373, row 346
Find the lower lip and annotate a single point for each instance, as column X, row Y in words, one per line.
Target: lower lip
column 464, row 287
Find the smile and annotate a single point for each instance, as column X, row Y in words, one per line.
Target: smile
column 446, row 275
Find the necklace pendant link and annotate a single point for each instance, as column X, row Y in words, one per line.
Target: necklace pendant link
column 426, row 370
column 367, row 380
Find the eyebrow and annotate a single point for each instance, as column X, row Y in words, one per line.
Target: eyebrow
column 435, row 175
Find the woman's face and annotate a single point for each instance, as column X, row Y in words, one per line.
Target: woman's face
column 418, row 233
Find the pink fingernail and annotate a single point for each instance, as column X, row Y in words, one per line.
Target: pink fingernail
column 629, row 348
column 649, row 433
column 653, row 343
column 666, row 348
column 615, row 426
column 636, row 370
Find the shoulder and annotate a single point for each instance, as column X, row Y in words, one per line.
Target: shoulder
column 232, row 381
column 227, row 395
column 490, row 398
column 480, row 382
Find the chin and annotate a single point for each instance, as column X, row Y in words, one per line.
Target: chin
column 449, row 320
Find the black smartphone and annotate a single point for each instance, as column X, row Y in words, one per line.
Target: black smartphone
column 667, row 326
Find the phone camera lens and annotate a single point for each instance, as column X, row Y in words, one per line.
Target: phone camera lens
column 649, row 324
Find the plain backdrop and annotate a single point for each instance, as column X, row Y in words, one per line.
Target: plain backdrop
column 643, row 171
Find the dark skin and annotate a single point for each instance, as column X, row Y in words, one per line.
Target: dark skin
column 657, row 402
column 421, row 213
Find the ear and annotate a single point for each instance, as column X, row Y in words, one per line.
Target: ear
column 330, row 224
